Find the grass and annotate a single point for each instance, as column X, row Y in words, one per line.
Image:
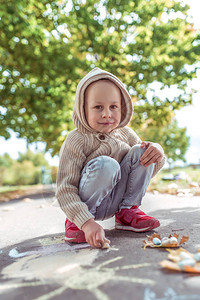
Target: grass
column 191, row 184
column 4, row 189
column 8, row 193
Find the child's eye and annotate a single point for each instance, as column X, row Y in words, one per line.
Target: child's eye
column 113, row 106
column 98, row 107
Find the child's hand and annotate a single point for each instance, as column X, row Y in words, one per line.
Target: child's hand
column 94, row 234
column 153, row 154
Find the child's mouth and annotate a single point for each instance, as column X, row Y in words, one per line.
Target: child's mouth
column 106, row 123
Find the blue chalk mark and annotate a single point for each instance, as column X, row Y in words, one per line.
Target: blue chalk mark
column 169, row 294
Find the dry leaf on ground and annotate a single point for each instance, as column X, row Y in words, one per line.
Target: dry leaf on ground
column 182, row 260
column 165, row 244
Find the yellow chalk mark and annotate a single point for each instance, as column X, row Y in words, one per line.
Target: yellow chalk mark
column 135, row 280
column 99, row 294
column 67, row 268
column 8, row 286
column 137, row 266
column 110, row 261
column 35, row 266
column 52, row 241
column 70, row 269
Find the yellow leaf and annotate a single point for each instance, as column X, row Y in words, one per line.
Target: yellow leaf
column 149, row 241
column 175, row 257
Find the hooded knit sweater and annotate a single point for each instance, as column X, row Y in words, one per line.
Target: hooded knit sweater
column 84, row 143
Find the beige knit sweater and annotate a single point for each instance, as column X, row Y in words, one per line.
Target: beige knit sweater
column 84, row 144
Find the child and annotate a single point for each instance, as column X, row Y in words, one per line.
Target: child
column 104, row 167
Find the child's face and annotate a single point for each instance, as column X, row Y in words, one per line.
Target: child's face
column 103, row 106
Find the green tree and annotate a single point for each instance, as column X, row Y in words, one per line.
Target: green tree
column 27, row 169
column 6, row 160
column 173, row 139
column 47, row 46
column 22, row 174
column 37, row 158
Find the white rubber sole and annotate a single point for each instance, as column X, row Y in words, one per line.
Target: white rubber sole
column 130, row 228
column 69, row 239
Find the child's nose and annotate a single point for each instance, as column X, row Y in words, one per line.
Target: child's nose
column 106, row 113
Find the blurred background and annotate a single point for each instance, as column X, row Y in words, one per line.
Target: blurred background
column 46, row 47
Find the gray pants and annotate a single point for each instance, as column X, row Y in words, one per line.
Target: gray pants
column 107, row 186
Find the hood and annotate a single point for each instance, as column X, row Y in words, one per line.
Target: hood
column 79, row 118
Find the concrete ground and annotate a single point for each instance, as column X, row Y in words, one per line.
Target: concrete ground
column 36, row 262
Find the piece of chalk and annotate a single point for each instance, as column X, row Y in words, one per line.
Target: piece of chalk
column 165, row 242
column 164, row 239
column 156, row 241
column 184, row 255
column 197, row 256
column 186, row 262
column 173, row 240
column 106, row 246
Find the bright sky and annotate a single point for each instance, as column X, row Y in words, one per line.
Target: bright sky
column 187, row 117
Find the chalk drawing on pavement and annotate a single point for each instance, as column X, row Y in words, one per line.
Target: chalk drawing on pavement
column 169, row 294
column 73, row 268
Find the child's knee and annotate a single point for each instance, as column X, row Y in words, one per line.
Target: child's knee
column 137, row 151
column 106, row 167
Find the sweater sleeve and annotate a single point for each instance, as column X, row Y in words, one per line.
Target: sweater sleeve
column 134, row 139
column 71, row 162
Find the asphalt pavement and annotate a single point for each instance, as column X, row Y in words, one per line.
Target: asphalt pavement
column 36, row 262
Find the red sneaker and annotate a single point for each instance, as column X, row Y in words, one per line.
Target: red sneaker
column 73, row 234
column 135, row 220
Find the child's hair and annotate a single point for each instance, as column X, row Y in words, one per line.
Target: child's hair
column 123, row 106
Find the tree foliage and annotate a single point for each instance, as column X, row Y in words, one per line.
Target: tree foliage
column 47, row 46
column 173, row 139
column 37, row 158
column 27, row 169
column 21, row 174
column 6, row 160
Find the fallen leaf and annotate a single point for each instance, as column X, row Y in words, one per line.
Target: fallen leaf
column 170, row 265
column 175, row 257
column 149, row 241
column 184, row 239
